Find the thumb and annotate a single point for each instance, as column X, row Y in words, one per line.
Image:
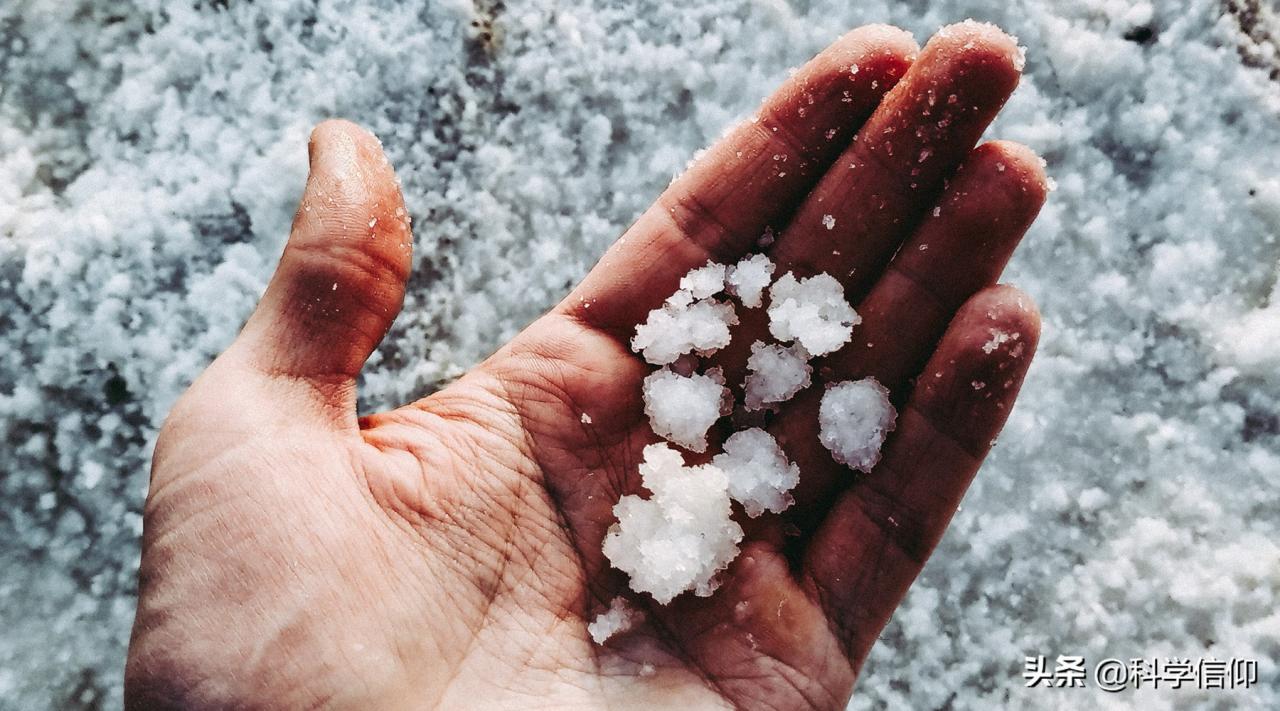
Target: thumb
column 341, row 280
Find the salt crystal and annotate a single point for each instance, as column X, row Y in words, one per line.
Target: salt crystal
column 760, row 476
column 682, row 408
column 998, row 338
column 829, row 222
column 812, row 312
column 682, row 535
column 776, row 373
column 704, row 281
column 585, row 419
column 854, row 419
column 682, row 325
column 748, row 279
column 619, row 618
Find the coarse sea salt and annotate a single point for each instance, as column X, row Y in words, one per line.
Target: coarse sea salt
column 813, row 312
column 682, row 408
column 760, row 476
column 705, row 281
column 748, row 279
column 854, row 418
column 684, row 325
column 619, row 618
column 682, row 535
column 678, row 538
column 775, row 374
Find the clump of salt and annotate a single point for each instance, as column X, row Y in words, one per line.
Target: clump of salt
column 684, row 324
column 775, row 374
column 760, row 476
column 748, row 279
column 705, row 281
column 682, row 535
column 619, row 618
column 682, row 408
column 813, row 312
column 854, row 419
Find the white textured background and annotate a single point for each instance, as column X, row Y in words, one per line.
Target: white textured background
column 151, row 156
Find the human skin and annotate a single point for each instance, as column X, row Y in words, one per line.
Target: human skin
column 446, row 554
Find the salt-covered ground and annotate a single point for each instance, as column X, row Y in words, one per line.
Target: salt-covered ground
column 152, row 152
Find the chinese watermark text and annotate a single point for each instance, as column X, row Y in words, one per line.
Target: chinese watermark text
column 1114, row 675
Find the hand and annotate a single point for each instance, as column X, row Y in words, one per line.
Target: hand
column 447, row 554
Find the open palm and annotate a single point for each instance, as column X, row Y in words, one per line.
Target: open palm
column 447, row 554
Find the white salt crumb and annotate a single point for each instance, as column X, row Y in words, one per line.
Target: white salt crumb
column 998, row 338
column 748, row 279
column 760, row 476
column 705, row 281
column 812, row 312
column 775, row 374
column 619, row 618
column 854, row 419
column 682, row 408
column 683, row 325
column 937, row 211
column 647, row 669
column 829, row 222
column 681, row 536
column 586, row 419
column 1020, row 59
